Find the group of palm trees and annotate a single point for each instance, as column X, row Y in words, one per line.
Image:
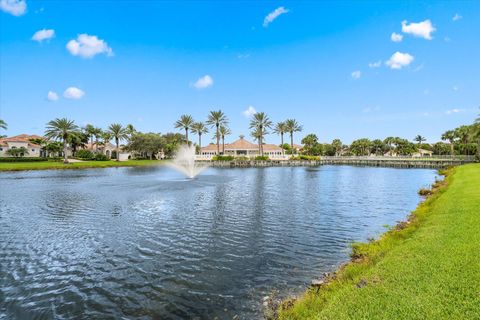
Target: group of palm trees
column 259, row 124
column 66, row 130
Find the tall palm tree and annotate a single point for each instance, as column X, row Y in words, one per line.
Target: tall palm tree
column 257, row 136
column 450, row 136
column 419, row 139
column 223, row 131
column 185, row 122
column 281, row 128
column 61, row 129
column 261, row 122
column 130, row 131
column 90, row 131
column 118, row 132
column 98, row 133
column 292, row 127
column 3, row 124
column 217, row 119
column 199, row 129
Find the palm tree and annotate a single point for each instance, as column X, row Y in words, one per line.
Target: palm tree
column 185, row 122
column 217, row 119
column 61, row 129
column 130, row 131
column 199, row 129
column 419, row 139
column 118, row 132
column 90, row 131
column 450, row 136
column 3, row 124
column 261, row 122
column 280, row 128
column 98, row 133
column 223, row 131
column 257, row 136
column 292, row 126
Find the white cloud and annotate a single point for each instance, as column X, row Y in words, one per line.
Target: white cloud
column 52, row 96
column 249, row 112
column 370, row 109
column 399, row 60
column 375, row 64
column 356, row 74
column 87, row 46
column 204, row 82
column 243, row 55
column 274, row 15
column 14, row 7
column 457, row 17
column 396, row 37
column 43, row 34
column 453, row 111
column 422, row 29
column 73, row 93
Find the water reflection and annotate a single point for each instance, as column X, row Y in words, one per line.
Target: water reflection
column 145, row 243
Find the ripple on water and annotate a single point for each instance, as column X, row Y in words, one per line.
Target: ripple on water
column 146, row 243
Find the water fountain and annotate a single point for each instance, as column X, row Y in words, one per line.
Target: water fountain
column 184, row 162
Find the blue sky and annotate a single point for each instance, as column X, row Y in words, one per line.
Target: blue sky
column 332, row 65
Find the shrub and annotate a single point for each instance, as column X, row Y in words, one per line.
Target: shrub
column 222, row 158
column 85, row 154
column 242, row 158
column 23, row 159
column 261, row 158
column 305, row 157
column 424, row 192
column 100, row 157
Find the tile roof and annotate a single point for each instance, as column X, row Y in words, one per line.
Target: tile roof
column 241, row 144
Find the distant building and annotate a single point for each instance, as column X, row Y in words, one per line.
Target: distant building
column 242, row 148
column 22, row 140
column 422, row 153
column 108, row 149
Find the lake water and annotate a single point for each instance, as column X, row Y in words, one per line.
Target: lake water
column 146, row 243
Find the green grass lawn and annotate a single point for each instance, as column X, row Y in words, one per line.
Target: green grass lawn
column 44, row 165
column 428, row 270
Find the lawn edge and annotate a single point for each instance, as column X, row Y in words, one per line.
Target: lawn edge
column 363, row 256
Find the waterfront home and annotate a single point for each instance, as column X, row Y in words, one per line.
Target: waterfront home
column 242, row 148
column 22, row 140
column 422, row 153
column 108, row 149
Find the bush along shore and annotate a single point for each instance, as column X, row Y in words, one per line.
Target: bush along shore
column 427, row 267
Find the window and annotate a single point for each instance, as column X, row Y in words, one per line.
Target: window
column 1, row 149
column 33, row 150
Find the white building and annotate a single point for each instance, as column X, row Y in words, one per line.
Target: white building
column 23, row 140
column 243, row 148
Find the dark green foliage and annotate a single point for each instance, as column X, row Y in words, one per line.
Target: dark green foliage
column 222, row 158
column 100, row 157
column 85, row 154
column 23, row 159
column 261, row 158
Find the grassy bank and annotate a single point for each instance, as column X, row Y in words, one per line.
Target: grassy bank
column 45, row 165
column 428, row 268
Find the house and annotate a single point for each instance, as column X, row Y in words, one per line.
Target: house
column 22, row 140
column 108, row 149
column 422, row 153
column 242, row 148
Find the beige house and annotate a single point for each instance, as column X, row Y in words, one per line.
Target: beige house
column 108, row 149
column 242, row 148
column 22, row 140
column 422, row 153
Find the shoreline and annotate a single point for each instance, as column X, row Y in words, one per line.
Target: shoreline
column 54, row 165
column 327, row 295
